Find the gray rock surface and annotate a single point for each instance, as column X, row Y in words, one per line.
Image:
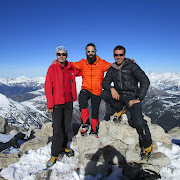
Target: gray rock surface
column 118, row 144
column 8, row 159
column 2, row 125
column 175, row 133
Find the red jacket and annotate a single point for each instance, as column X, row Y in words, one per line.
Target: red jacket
column 92, row 75
column 54, row 89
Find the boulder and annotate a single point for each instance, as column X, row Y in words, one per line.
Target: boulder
column 174, row 133
column 47, row 129
column 8, row 159
column 159, row 159
column 34, row 144
column 2, row 125
column 158, row 134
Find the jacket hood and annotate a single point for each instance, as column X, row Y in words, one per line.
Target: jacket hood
column 126, row 61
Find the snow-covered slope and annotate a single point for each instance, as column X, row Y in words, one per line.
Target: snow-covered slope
column 26, row 96
column 22, row 81
column 169, row 82
column 21, row 115
column 163, row 110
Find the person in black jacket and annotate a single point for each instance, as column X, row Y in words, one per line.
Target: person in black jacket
column 130, row 88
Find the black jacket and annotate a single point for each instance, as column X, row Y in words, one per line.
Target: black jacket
column 126, row 80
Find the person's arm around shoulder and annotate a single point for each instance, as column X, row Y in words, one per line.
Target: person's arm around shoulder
column 76, row 71
column 106, row 65
column 77, row 65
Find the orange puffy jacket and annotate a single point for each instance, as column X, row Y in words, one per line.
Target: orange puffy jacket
column 92, row 75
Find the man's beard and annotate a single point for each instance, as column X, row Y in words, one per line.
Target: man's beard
column 91, row 59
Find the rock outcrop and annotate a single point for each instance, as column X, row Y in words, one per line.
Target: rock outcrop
column 42, row 137
column 2, row 125
column 8, row 159
column 118, row 144
column 175, row 133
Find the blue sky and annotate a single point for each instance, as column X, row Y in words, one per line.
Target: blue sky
column 31, row 30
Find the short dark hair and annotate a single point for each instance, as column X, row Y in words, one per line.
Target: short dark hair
column 91, row 44
column 120, row 48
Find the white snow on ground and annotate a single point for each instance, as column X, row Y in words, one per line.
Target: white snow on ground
column 5, row 138
column 70, row 169
column 172, row 171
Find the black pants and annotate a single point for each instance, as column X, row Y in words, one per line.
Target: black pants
column 109, row 112
column 136, row 121
column 62, row 118
column 84, row 96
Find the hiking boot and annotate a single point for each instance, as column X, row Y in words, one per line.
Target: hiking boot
column 85, row 129
column 68, row 152
column 146, row 152
column 118, row 116
column 53, row 160
column 95, row 134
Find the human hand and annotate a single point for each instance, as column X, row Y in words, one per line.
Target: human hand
column 54, row 62
column 50, row 110
column 114, row 94
column 133, row 60
column 132, row 102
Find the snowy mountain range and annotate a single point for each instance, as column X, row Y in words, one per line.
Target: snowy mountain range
column 23, row 103
column 168, row 82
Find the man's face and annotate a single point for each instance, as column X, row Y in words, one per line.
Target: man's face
column 61, row 56
column 119, row 56
column 90, row 51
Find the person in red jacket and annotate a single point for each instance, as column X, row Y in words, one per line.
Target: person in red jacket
column 60, row 91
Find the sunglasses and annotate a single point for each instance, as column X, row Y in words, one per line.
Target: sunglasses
column 116, row 55
column 91, row 51
column 63, row 54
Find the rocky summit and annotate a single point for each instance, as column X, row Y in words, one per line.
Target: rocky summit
column 118, row 145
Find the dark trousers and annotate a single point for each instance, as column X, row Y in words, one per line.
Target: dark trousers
column 84, row 96
column 136, row 121
column 62, row 118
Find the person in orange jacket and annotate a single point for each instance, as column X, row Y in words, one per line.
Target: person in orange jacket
column 92, row 70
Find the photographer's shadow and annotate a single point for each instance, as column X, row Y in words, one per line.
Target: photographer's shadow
column 102, row 161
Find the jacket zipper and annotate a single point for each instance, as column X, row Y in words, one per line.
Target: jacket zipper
column 63, row 84
column 120, row 78
column 91, row 77
column 71, row 84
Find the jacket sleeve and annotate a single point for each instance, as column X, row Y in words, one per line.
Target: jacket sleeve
column 49, row 88
column 141, row 77
column 106, row 65
column 77, row 65
column 107, row 80
column 77, row 72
